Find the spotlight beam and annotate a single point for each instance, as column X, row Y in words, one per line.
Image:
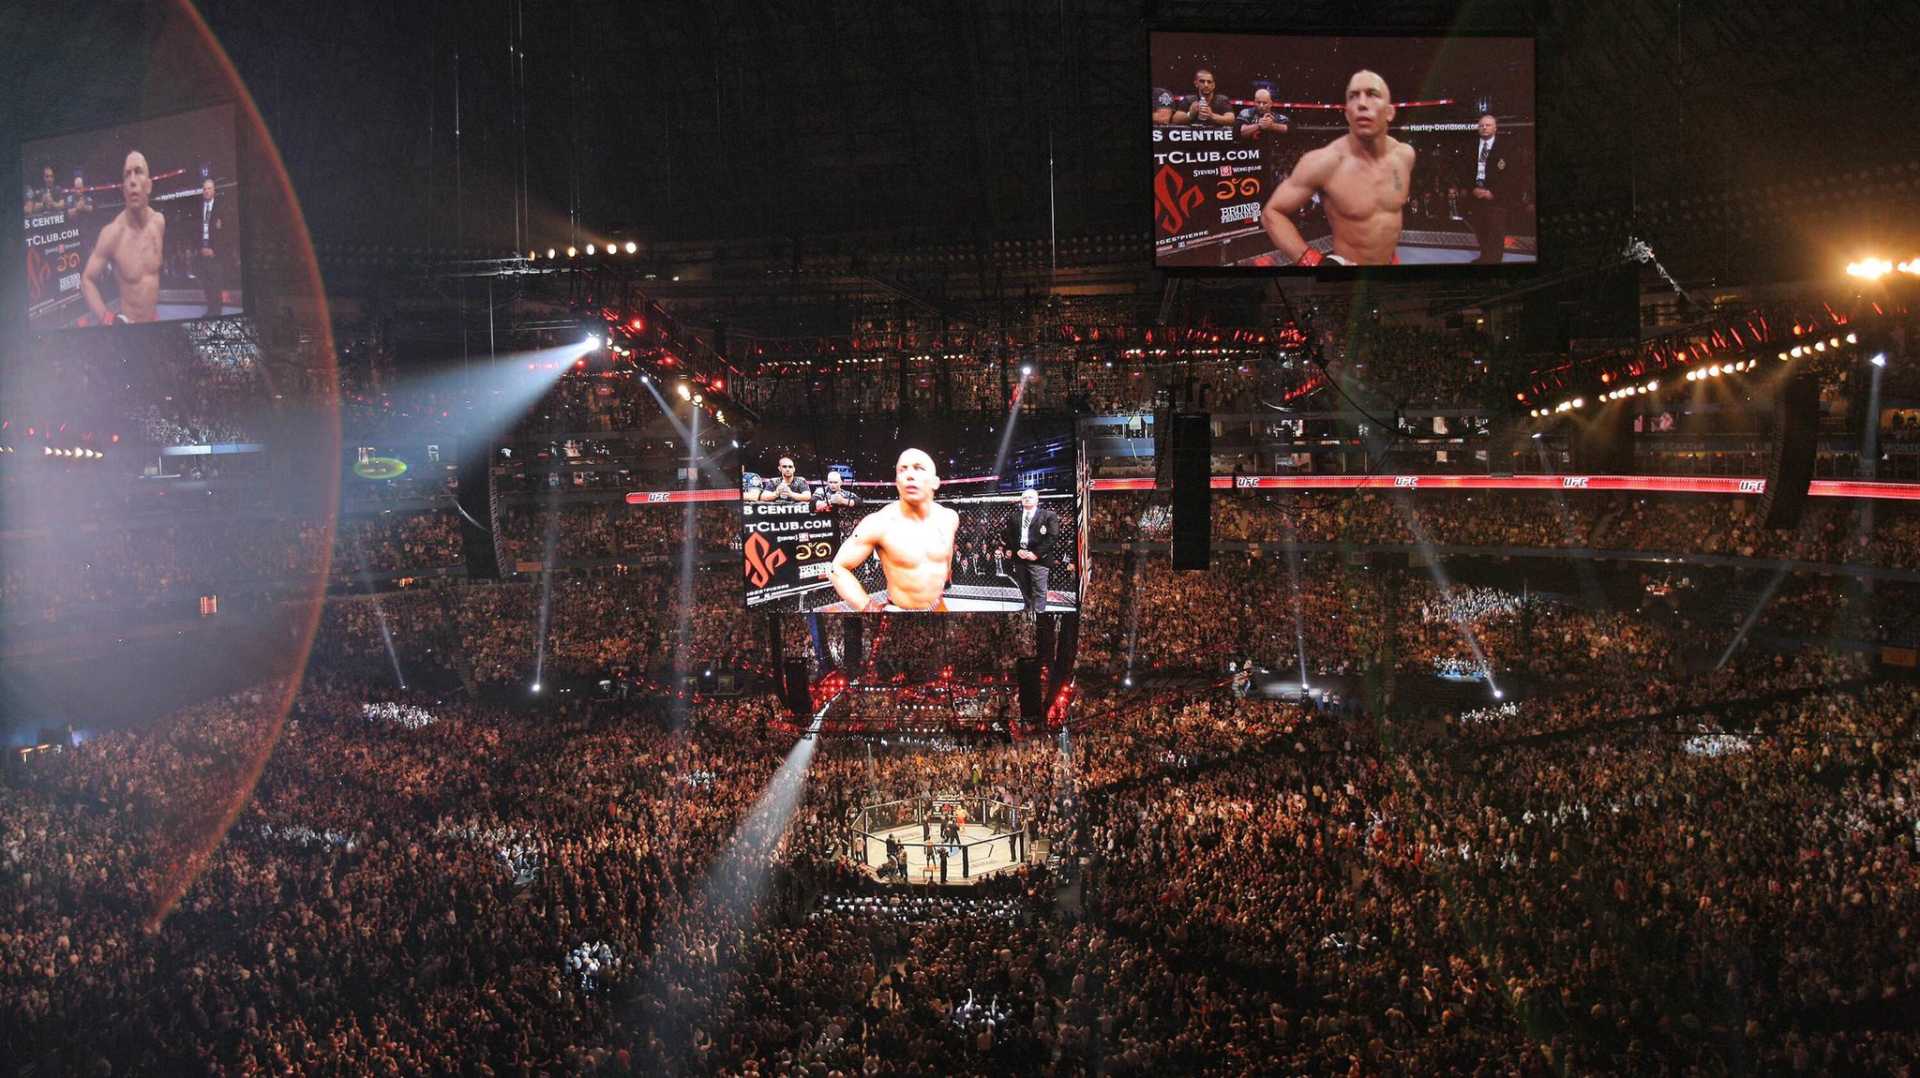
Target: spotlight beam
column 1299, row 622
column 1583, row 568
column 1753, row 616
column 495, row 395
column 711, row 471
column 1445, row 584
column 379, row 614
column 1006, row 432
column 1863, row 517
column 546, row 587
column 689, row 540
column 1138, row 569
column 739, row 878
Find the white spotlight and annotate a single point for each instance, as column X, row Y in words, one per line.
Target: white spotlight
column 1026, row 371
column 1879, row 360
column 592, row 342
column 536, row 686
column 589, row 248
column 632, row 247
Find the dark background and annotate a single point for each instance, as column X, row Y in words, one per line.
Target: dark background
column 412, row 125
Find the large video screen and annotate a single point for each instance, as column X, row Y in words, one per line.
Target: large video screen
column 1274, row 151
column 950, row 518
column 134, row 223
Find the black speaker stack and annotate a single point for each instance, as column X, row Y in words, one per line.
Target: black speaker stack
column 1189, row 446
column 796, row 690
column 1796, row 430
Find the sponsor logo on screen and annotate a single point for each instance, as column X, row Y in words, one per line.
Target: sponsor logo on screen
column 1574, row 482
column 1753, row 486
column 762, row 560
column 1406, row 480
column 1246, row 211
column 1174, row 199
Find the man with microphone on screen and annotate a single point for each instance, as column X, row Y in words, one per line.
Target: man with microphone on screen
column 1362, row 178
column 914, row 537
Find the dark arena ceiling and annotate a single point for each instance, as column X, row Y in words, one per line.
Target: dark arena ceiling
column 488, row 124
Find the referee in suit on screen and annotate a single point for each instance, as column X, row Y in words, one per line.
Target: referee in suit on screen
column 212, row 253
column 1032, row 535
column 1499, row 178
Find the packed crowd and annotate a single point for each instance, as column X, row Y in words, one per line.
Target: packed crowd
column 1340, row 621
column 478, row 889
column 612, row 530
column 150, row 565
column 427, row 884
column 394, row 541
column 1828, row 533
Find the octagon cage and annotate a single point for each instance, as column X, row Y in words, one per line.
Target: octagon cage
column 951, row 840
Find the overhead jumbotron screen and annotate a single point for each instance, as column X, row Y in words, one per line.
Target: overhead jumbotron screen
column 942, row 518
column 1277, row 152
column 134, row 223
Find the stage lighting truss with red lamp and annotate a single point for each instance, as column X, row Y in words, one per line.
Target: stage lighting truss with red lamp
column 1700, row 355
column 648, row 343
column 1832, row 343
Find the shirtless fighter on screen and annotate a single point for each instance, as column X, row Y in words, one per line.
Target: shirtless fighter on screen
column 914, row 537
column 132, row 243
column 1362, row 178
